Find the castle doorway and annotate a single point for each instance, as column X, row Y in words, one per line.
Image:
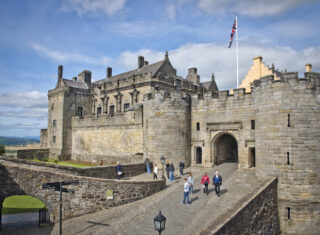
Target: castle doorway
column 198, row 155
column 226, row 149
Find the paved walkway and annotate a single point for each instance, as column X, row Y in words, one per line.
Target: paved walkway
column 137, row 217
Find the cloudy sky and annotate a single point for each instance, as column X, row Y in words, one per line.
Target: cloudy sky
column 37, row 36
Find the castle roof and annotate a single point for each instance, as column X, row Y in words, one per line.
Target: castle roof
column 75, row 84
column 153, row 68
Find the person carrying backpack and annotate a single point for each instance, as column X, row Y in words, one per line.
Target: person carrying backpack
column 205, row 181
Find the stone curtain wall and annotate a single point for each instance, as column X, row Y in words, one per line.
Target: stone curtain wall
column 118, row 138
column 104, row 172
column 90, row 194
column 41, row 154
column 258, row 216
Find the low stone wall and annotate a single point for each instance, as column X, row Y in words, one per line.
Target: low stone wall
column 90, row 194
column 104, row 172
column 258, row 216
column 41, row 154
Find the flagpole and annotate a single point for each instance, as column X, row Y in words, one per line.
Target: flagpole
column 237, row 31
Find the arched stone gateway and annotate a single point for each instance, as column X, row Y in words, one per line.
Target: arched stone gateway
column 225, row 148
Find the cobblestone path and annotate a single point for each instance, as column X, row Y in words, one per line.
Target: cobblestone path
column 137, row 217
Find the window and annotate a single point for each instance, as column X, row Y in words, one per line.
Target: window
column 52, row 106
column 288, row 158
column 54, row 123
column 126, row 106
column 111, row 110
column 80, row 111
column 289, row 120
column 198, row 126
column 54, row 139
column 99, row 110
column 253, row 125
column 288, row 212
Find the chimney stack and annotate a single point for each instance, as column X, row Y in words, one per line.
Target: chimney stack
column 193, row 76
column 60, row 74
column 308, row 68
column 109, row 72
column 140, row 61
column 85, row 76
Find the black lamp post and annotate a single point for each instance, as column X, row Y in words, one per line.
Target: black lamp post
column 162, row 162
column 159, row 223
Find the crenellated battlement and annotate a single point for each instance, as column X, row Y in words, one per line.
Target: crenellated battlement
column 165, row 95
column 311, row 80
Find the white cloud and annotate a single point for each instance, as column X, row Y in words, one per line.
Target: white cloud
column 252, row 8
column 68, row 57
column 93, row 7
column 32, row 99
column 218, row 59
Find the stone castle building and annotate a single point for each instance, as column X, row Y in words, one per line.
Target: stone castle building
column 270, row 124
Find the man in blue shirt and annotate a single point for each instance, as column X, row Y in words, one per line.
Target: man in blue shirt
column 217, row 181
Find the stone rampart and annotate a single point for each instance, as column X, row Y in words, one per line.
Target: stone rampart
column 104, row 172
column 259, row 215
column 41, row 154
column 89, row 197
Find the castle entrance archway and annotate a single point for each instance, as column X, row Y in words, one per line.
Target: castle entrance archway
column 225, row 149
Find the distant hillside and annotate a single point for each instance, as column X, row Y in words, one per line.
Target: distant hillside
column 9, row 141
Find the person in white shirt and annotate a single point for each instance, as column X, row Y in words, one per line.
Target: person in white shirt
column 186, row 190
column 155, row 171
column 190, row 180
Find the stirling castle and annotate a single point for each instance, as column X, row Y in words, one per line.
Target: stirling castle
column 270, row 124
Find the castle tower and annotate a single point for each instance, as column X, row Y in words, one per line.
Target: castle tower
column 166, row 130
column 287, row 146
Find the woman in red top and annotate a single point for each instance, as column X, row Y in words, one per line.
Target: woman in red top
column 205, row 181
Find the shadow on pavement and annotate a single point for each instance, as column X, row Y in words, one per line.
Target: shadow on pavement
column 193, row 199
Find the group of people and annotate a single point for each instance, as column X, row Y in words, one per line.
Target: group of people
column 205, row 181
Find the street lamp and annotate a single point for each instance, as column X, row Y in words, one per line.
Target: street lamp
column 162, row 162
column 159, row 223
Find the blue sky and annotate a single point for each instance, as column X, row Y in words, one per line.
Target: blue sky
column 37, row 36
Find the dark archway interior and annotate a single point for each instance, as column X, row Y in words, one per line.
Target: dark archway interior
column 226, row 149
column 199, row 155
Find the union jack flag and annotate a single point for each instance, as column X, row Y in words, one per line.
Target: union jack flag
column 234, row 29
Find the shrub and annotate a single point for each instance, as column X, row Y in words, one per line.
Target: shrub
column 2, row 149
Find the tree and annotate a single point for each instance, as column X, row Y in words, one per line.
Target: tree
column 2, row 149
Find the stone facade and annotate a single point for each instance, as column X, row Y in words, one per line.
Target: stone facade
column 40, row 154
column 151, row 111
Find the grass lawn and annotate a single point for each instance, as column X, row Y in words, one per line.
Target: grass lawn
column 69, row 163
column 21, row 204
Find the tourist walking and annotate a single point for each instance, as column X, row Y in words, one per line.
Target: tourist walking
column 190, row 181
column 186, row 190
column 148, row 166
column 217, row 181
column 101, row 163
column 119, row 170
column 181, row 167
column 167, row 168
column 155, row 171
column 205, row 181
column 171, row 171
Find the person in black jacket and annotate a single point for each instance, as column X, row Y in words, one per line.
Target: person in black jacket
column 171, row 171
column 167, row 169
column 119, row 170
column 217, row 181
column 181, row 167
